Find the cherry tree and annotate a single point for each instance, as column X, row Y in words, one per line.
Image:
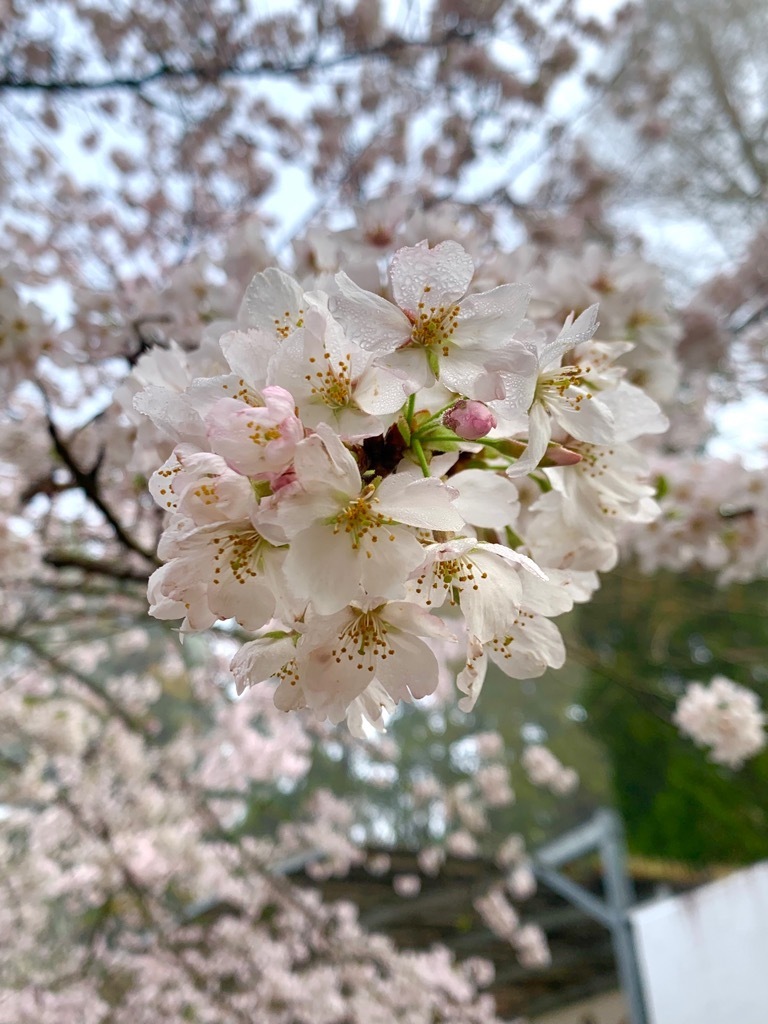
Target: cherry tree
column 357, row 454
column 186, row 118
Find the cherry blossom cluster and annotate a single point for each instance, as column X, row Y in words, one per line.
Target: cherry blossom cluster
column 545, row 769
column 379, row 478
column 358, row 468
column 501, row 917
column 725, row 717
column 130, row 883
column 634, row 306
column 714, row 516
column 122, row 193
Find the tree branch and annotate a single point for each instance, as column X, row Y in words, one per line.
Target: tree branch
column 39, row 651
column 98, row 566
column 720, row 89
column 87, row 481
column 213, row 73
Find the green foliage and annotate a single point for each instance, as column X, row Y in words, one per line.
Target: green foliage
column 643, row 639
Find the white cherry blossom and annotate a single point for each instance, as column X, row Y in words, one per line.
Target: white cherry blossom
column 274, row 303
column 257, row 441
column 554, row 391
column 219, row 571
column 341, row 654
column 25, row 333
column 348, row 537
column 528, row 642
column 335, row 660
column 529, row 645
column 218, row 566
column 201, row 487
column 484, row 579
column 334, row 381
column 587, row 399
column 157, row 395
column 435, row 330
column 486, row 499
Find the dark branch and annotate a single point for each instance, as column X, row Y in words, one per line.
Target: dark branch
column 87, row 481
column 96, row 566
column 145, row 343
column 213, row 73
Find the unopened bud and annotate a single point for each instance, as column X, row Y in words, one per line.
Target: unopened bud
column 557, row 455
column 469, row 419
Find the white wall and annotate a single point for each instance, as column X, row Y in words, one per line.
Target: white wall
column 704, row 955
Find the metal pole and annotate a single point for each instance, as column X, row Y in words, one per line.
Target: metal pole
column 604, row 833
column 620, row 896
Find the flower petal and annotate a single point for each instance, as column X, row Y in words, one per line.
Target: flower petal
column 438, row 277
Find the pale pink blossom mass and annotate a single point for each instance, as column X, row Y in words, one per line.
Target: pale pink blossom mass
column 725, row 717
column 265, row 357
column 354, row 480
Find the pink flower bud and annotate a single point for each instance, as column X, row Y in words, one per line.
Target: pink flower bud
column 257, row 441
column 469, row 419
